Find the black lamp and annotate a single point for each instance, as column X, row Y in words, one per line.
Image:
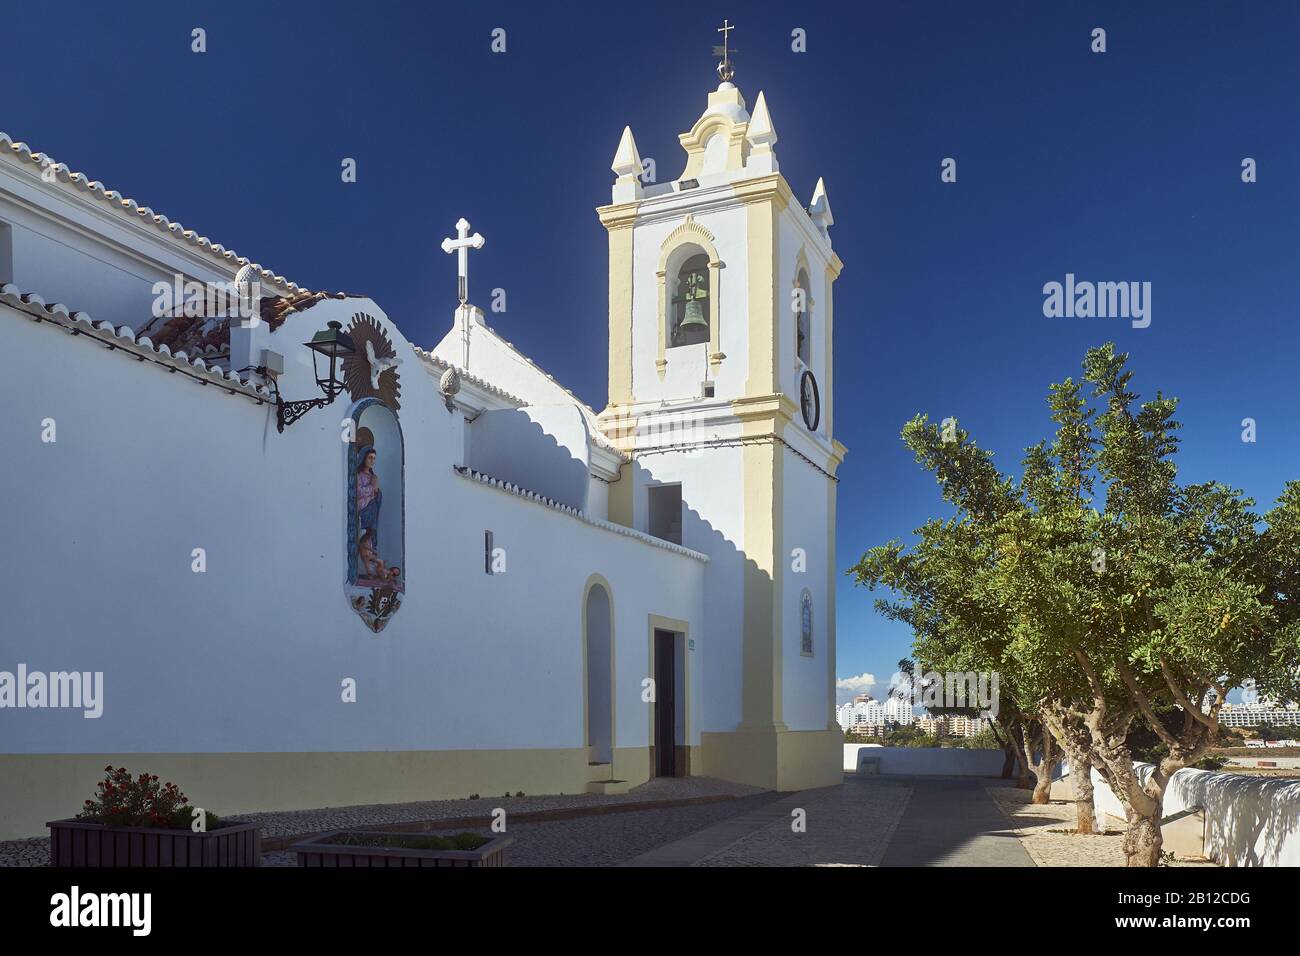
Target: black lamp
column 334, row 344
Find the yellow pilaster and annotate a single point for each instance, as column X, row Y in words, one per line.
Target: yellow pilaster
column 618, row 221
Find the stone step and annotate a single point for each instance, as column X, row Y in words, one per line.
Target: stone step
column 599, row 771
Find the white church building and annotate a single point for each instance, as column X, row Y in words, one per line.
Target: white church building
column 267, row 548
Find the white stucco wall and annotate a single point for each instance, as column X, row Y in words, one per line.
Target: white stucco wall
column 713, row 524
column 806, row 682
column 795, row 236
column 541, row 447
column 249, row 655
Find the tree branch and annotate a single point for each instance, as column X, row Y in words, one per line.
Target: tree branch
column 1183, row 702
column 1145, row 706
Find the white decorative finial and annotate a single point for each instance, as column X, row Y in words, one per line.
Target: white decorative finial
column 820, row 208
column 461, row 246
column 627, row 164
column 449, row 385
column 762, row 137
column 247, row 275
column 627, row 161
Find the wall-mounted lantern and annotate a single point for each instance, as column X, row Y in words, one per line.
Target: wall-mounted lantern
column 331, row 343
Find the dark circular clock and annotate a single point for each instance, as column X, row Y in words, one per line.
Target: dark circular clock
column 810, row 401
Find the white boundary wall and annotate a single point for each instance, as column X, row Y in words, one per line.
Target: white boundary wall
column 1249, row 821
column 941, row 761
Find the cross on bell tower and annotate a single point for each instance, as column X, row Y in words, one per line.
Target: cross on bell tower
column 726, row 70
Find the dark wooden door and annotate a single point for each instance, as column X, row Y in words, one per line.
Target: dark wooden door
column 665, row 704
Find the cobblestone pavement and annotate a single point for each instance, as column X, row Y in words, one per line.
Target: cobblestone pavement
column 1033, row 825
column 846, row 825
column 35, row 852
column 601, row 839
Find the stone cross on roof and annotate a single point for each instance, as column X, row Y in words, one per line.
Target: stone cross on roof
column 461, row 246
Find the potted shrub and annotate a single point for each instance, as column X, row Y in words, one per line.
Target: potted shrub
column 138, row 822
column 368, row 848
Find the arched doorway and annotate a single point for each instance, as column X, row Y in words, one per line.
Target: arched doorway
column 598, row 633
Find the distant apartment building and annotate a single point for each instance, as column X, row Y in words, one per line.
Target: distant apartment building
column 868, row 716
column 933, row 726
column 951, row 725
column 1260, row 713
column 961, row 726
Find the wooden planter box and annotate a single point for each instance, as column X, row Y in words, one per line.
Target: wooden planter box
column 319, row 852
column 82, row 844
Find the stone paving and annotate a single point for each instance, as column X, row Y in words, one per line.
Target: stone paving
column 865, row 821
column 847, row 825
column 35, row 852
column 1034, row 825
column 601, row 839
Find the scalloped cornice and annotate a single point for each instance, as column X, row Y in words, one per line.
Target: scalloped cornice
column 128, row 209
column 469, row 474
column 123, row 338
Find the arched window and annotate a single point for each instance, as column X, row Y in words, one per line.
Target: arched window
column 806, row 623
column 803, row 320
column 691, row 301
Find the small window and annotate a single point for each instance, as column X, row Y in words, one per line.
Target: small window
column 806, row 623
column 666, row 512
column 6, row 253
column 802, row 323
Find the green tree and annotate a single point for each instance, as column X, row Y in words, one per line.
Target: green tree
column 1105, row 591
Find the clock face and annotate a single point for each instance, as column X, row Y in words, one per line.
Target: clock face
column 810, row 401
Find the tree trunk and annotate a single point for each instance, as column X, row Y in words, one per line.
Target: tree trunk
column 1081, row 780
column 1142, row 841
column 1043, row 767
column 1016, row 741
column 1144, row 805
column 1075, row 740
column 1008, row 744
column 1043, row 788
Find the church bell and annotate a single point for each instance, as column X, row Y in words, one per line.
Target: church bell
column 694, row 326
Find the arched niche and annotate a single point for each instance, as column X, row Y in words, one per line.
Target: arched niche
column 598, row 657
column 375, row 541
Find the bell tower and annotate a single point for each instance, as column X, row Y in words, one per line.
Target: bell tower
column 721, row 384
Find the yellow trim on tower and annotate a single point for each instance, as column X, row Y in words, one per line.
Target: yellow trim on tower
column 618, row 219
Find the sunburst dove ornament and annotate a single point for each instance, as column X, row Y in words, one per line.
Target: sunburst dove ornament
column 371, row 371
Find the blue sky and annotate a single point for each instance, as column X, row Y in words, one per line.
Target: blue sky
column 1122, row 166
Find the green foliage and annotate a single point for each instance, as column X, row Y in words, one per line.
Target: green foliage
column 984, row 740
column 1098, row 581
